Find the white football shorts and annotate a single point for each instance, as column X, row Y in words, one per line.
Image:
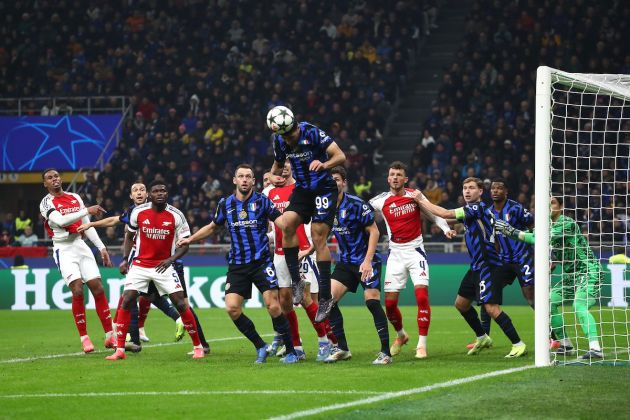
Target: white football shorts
column 404, row 263
column 75, row 260
column 308, row 271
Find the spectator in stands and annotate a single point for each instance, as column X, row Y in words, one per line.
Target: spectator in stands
column 6, row 239
column 363, row 188
column 9, row 224
column 28, row 238
column 21, row 222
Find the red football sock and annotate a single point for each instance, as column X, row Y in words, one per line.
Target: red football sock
column 311, row 311
column 424, row 310
column 102, row 310
column 78, row 311
column 393, row 313
column 118, row 307
column 122, row 327
column 191, row 326
column 144, row 305
column 329, row 332
column 295, row 331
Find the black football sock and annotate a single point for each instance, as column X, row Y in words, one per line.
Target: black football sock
column 281, row 325
column 291, row 258
column 324, row 279
column 247, row 328
column 380, row 322
column 336, row 323
column 506, row 325
column 473, row 320
column 485, row 320
column 134, row 332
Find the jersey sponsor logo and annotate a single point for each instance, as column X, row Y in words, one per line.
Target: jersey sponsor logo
column 146, row 222
column 402, row 210
column 304, row 156
column 69, row 210
column 245, row 223
column 155, row 233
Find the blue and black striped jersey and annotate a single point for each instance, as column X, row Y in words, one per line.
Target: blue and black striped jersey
column 247, row 222
column 479, row 224
column 311, row 146
column 512, row 251
column 352, row 217
column 124, row 218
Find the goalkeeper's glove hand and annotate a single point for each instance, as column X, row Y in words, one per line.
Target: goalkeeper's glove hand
column 506, row 229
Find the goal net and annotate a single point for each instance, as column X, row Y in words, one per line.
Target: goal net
column 582, row 179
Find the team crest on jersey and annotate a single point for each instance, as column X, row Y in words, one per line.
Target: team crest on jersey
column 73, row 202
column 242, row 215
column 336, row 222
column 507, row 217
column 342, row 214
column 251, row 206
column 166, row 223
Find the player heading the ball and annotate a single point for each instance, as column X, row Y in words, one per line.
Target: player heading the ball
column 312, row 153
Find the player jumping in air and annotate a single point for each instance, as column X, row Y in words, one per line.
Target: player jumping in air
column 481, row 281
column 64, row 212
column 407, row 257
column 357, row 236
column 249, row 262
column 582, row 276
column 158, row 226
column 312, row 154
column 279, row 195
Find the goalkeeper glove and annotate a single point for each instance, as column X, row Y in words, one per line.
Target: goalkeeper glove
column 506, row 229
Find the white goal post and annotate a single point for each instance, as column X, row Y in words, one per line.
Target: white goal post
column 582, row 137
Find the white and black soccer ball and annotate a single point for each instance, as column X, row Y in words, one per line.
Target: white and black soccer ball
column 280, row 119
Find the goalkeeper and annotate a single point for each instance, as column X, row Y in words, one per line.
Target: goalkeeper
column 581, row 276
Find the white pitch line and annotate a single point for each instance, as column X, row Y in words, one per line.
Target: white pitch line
column 56, row 356
column 186, row 393
column 398, row 394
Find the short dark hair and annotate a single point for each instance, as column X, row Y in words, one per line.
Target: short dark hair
column 559, row 199
column 398, row 165
column 500, row 180
column 244, row 166
column 339, row 170
column 157, row 182
column 46, row 171
column 476, row 180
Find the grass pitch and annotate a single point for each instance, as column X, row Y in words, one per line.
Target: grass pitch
column 44, row 375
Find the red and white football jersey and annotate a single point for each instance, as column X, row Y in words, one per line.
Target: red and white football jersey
column 280, row 197
column 157, row 233
column 64, row 204
column 402, row 217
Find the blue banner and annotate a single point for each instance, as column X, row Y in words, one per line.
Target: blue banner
column 66, row 143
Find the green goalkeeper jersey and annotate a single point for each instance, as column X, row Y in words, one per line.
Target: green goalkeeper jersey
column 570, row 247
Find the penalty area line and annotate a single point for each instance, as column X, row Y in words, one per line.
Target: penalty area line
column 398, row 394
column 80, row 353
column 186, row 393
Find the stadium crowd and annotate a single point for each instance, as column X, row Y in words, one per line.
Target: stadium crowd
column 482, row 122
column 199, row 96
column 202, row 75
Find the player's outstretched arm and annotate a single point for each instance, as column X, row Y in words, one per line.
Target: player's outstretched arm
column 108, row 222
column 513, row 233
column 202, row 233
column 64, row 220
column 424, row 203
column 366, row 266
column 441, row 223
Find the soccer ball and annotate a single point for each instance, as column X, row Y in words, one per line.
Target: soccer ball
column 280, row 119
